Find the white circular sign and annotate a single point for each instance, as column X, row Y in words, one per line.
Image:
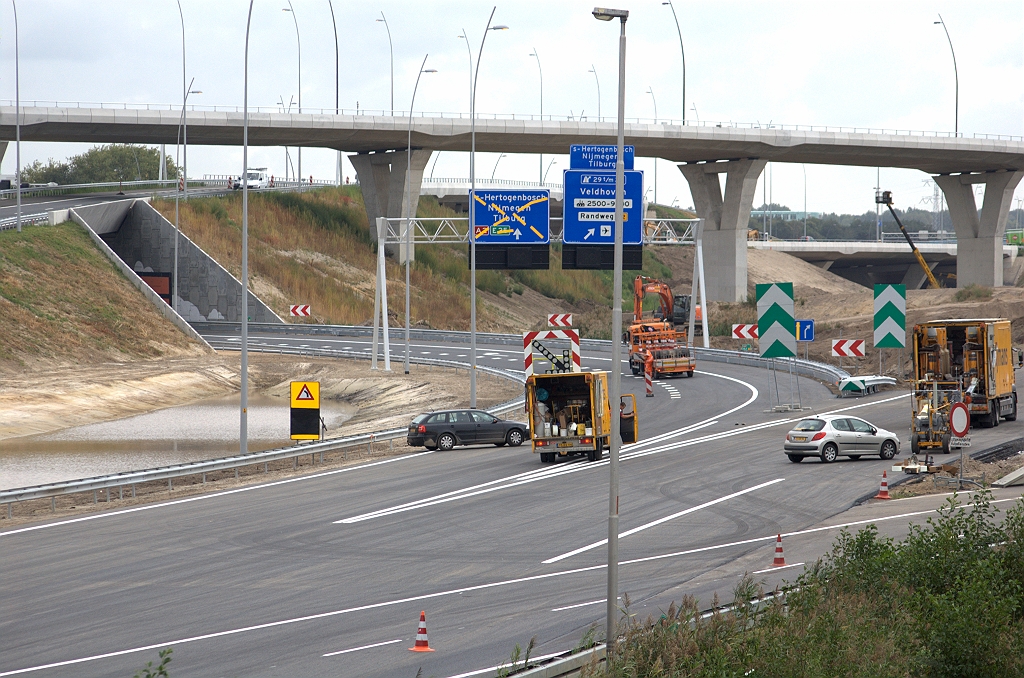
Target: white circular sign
column 959, row 419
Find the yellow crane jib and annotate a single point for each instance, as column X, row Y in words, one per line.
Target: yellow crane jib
column 885, row 198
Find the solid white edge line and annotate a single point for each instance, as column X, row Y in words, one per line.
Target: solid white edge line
column 774, row 569
column 439, row 594
column 364, row 647
column 489, row 669
column 659, row 521
column 592, row 602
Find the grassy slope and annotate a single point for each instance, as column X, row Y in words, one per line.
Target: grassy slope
column 62, row 301
column 315, row 248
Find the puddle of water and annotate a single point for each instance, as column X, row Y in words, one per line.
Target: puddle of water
column 203, row 430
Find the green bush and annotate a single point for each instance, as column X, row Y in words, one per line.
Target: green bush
column 972, row 291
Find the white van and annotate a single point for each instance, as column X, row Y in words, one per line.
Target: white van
column 256, row 177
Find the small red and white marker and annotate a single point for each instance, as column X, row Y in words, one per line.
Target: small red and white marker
column 848, row 348
column 744, row 331
column 560, row 320
column 300, row 310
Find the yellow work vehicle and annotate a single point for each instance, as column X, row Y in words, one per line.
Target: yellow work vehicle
column 967, row 361
column 570, row 415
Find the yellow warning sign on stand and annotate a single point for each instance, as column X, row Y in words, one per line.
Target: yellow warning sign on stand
column 305, row 414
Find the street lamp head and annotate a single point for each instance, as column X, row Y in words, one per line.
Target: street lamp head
column 499, row 28
column 195, row 91
column 605, row 14
column 429, row 70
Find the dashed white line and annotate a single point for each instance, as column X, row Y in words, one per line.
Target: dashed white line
column 364, row 647
column 573, row 607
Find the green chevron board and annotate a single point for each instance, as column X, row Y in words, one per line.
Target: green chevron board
column 890, row 316
column 776, row 326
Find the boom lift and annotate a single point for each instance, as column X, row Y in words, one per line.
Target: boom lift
column 885, row 198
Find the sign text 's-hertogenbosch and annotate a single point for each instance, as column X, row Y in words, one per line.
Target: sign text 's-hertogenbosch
column 598, row 157
column 511, row 217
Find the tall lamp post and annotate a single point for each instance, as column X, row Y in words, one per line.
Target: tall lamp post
column 298, row 43
column 243, row 434
column 681, row 51
column 545, row 177
column 337, row 108
column 182, row 137
column 472, row 219
column 408, row 202
column 469, row 50
column 541, row 72
column 615, row 383
column 495, row 170
column 593, row 69
column 383, row 19
column 956, row 76
column 17, row 112
column 650, row 90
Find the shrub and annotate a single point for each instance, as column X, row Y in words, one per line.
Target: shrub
column 972, row 291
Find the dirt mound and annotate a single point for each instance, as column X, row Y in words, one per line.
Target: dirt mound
column 765, row 266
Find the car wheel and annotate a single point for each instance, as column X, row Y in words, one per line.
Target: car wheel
column 547, row 457
column 855, row 457
column 514, row 438
column 446, row 442
column 795, row 458
column 915, row 448
column 993, row 418
column 888, row 450
column 945, row 442
column 829, row 453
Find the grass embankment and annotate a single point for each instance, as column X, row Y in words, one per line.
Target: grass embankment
column 63, row 301
column 948, row 600
column 315, row 248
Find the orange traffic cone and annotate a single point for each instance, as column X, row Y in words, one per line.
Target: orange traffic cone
column 883, row 491
column 421, row 636
column 779, row 561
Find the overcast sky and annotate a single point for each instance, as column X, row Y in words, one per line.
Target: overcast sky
column 865, row 64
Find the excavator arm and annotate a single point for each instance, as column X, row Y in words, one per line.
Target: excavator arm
column 886, row 199
column 642, row 286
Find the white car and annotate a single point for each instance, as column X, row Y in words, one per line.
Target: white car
column 830, row 436
column 255, row 178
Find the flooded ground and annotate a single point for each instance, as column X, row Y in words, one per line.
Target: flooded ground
column 202, row 430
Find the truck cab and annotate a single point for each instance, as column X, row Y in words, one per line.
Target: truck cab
column 255, row 177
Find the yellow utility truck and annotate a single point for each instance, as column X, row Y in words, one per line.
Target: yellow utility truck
column 570, row 415
column 967, row 361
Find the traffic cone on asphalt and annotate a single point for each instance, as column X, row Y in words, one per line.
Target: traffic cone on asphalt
column 779, row 561
column 421, row 636
column 883, row 490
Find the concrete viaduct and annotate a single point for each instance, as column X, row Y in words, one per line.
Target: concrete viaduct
column 703, row 154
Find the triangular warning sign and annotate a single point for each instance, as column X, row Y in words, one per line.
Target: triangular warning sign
column 304, row 394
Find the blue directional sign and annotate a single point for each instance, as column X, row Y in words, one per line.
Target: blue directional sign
column 805, row 330
column 589, row 208
column 511, row 217
column 598, row 157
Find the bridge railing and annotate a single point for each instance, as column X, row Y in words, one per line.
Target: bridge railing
column 387, row 113
column 427, row 231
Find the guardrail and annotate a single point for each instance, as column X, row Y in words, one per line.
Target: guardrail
column 132, row 478
column 12, row 193
column 12, row 222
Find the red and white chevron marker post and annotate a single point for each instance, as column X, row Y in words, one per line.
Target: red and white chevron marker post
column 848, row 348
column 301, row 310
column 744, row 331
column 560, row 320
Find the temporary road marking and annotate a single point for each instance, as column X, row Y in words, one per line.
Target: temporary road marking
column 437, row 594
column 659, row 521
column 364, row 647
column 772, row 569
column 573, row 607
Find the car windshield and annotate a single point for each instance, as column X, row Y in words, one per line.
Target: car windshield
column 253, row 175
column 810, row 425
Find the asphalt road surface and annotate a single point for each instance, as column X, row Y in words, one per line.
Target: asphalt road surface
column 327, row 574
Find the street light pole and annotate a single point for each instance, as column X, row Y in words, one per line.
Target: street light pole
column 383, row 19
column 956, row 76
column 17, row 111
column 337, row 108
column 243, row 435
column 182, row 126
column 650, row 90
column 472, row 220
column 615, row 382
column 681, row 51
column 496, row 166
column 408, row 202
column 541, row 72
column 298, row 43
column 545, row 177
column 469, row 50
column 593, row 69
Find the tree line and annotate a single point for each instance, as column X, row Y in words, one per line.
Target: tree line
column 114, row 162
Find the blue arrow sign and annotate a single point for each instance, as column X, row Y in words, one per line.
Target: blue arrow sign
column 511, row 217
column 805, row 330
column 598, row 157
column 589, row 208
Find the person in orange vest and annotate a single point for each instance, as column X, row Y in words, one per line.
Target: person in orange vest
column 649, row 363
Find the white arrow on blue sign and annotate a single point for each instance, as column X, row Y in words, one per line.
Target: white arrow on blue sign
column 589, row 208
column 805, row 330
column 517, row 217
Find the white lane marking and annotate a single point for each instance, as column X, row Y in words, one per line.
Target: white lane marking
column 364, row 647
column 214, row 495
column 492, row 669
column 573, row 607
column 664, row 519
column 439, row 594
column 442, row 354
column 774, row 569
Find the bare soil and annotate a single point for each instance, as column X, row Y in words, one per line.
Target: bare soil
column 975, row 470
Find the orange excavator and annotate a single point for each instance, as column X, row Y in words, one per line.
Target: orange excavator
column 674, row 309
column 654, row 336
